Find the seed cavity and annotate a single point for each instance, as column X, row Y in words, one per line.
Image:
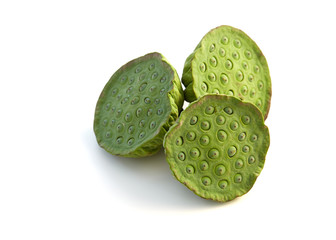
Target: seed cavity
column 221, row 52
column 246, row 149
column 237, row 43
column 224, row 78
column 228, row 64
column 242, row 136
column 204, row 87
column 228, row 110
column 212, row 77
column 234, row 125
column 251, row 159
column 225, row 40
column 220, row 119
column 239, row 76
column 130, row 141
column 152, row 125
column 131, row 129
column 142, row 135
column 246, row 119
column 120, row 140
column 202, row 67
column 254, row 138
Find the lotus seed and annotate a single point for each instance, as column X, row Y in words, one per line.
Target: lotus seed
column 245, row 65
column 246, row 149
column 131, row 129
column 135, row 100
column 138, row 112
column 206, row 181
column 152, row 88
column 250, row 77
column 128, row 117
column 224, row 78
column 248, row 54
column 194, row 152
column 239, row 76
column 142, row 135
column 181, row 156
column 228, row 64
column 212, row 47
column 205, row 125
column 108, row 134
column 191, row 136
column 228, row 110
column 204, row 140
column 221, row 52
column 246, row 119
column 222, row 184
column 213, row 153
column 119, row 140
column 152, row 125
column 251, row 159
column 239, row 164
column 237, row 43
column 220, row 170
column 235, row 55
column 130, row 141
column 212, row 77
column 190, row 169
column 238, row 178
column 204, row 87
column 220, row 120
column 147, row 100
column 202, row 67
column 159, row 111
column 179, row 141
column 209, row 110
column 149, row 112
column 163, row 79
column 221, row 135
column 129, row 90
column 155, row 75
column 193, row 120
column 151, row 67
column 234, row 125
column 254, row 138
column 225, row 40
column 232, row 151
column 157, row 101
column 204, row 165
column 242, row 136
column 142, row 123
column 213, row 61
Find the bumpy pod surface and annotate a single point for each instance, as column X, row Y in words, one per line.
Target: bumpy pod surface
column 137, row 106
column 217, row 147
column 229, row 62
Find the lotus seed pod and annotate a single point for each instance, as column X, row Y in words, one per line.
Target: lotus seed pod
column 229, row 62
column 137, row 106
column 221, row 162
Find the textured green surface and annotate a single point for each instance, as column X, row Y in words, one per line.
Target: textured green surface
column 137, row 106
column 227, row 61
column 217, row 147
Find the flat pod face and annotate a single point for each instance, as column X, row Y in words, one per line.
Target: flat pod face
column 228, row 62
column 218, row 147
column 134, row 105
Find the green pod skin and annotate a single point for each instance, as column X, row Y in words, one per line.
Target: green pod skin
column 217, row 147
column 229, row 62
column 137, row 106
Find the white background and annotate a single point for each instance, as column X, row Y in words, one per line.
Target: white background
column 57, row 183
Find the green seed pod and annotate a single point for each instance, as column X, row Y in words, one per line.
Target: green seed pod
column 222, row 162
column 229, row 62
column 137, row 106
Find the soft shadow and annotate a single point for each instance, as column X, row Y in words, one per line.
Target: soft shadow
column 146, row 181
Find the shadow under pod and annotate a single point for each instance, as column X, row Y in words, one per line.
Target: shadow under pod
column 145, row 181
